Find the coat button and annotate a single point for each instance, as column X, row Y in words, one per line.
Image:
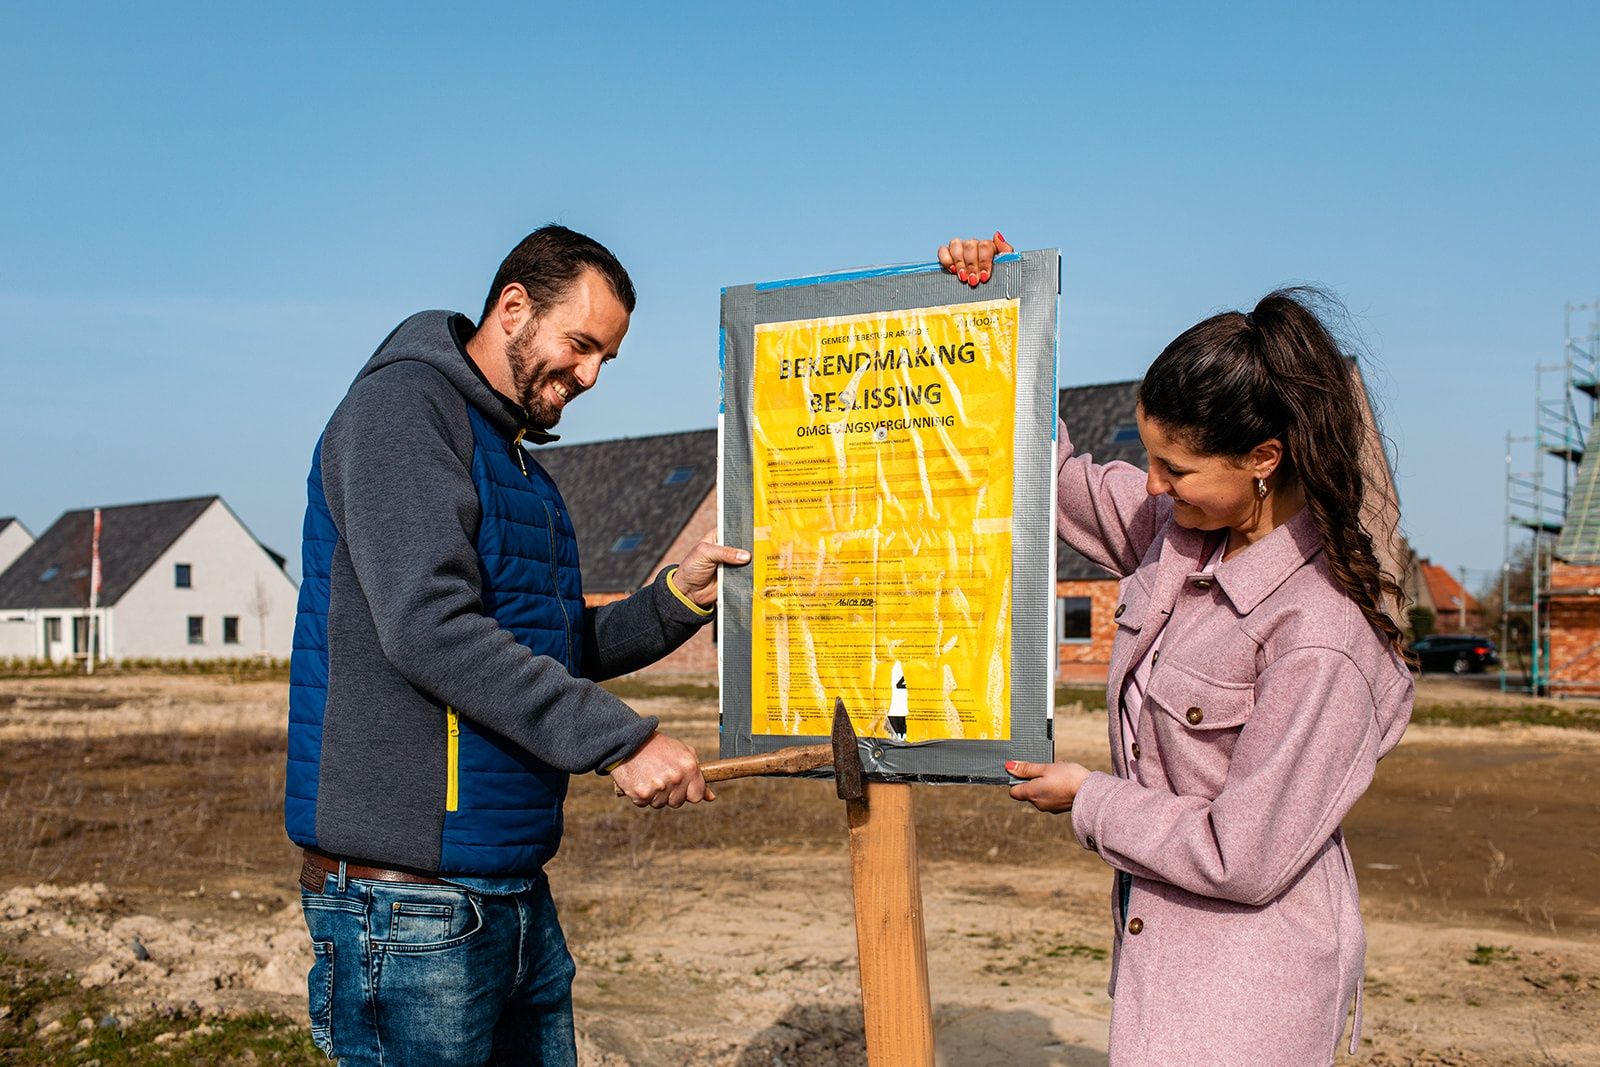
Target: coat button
column 1135, row 925
column 1194, row 715
column 1155, row 657
column 1202, row 583
column 1136, row 750
column 1091, row 844
column 1120, row 609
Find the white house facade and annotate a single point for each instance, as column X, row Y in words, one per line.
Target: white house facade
column 181, row 579
column 14, row 541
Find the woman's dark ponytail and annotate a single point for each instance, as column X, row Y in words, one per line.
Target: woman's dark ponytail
column 1237, row 379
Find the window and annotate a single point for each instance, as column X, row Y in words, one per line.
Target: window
column 678, row 476
column 49, row 576
column 197, row 630
column 627, row 543
column 52, row 629
column 1128, row 431
column 230, row 629
column 1074, row 615
column 182, row 578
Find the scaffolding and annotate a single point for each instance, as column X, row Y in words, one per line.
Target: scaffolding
column 1537, row 497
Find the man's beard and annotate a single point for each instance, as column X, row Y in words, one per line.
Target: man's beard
column 530, row 375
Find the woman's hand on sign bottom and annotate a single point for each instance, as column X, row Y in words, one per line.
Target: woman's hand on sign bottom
column 971, row 259
column 1050, row 787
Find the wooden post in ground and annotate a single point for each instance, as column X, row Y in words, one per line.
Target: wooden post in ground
column 889, row 933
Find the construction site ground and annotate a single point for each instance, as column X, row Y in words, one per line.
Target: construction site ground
column 148, row 909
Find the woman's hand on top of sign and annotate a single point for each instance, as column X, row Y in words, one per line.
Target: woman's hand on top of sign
column 1050, row 787
column 972, row 260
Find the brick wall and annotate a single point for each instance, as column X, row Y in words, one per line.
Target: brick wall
column 1574, row 607
column 699, row 654
column 1087, row 662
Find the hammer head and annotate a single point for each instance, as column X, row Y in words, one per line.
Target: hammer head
column 847, row 774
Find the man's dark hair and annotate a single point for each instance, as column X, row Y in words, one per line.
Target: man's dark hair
column 548, row 261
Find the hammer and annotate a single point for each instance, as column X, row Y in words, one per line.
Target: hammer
column 841, row 753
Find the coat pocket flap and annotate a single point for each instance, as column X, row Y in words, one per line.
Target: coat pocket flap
column 1200, row 703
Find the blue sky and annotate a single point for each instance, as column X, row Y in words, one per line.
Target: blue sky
column 211, row 217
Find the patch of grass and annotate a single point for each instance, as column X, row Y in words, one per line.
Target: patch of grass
column 251, row 669
column 637, row 687
column 1077, row 951
column 1532, row 713
column 1484, row 955
column 36, row 999
column 1089, row 697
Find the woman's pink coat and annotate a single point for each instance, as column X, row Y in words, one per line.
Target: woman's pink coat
column 1271, row 702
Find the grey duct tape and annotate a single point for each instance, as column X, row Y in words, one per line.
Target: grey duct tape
column 1034, row 278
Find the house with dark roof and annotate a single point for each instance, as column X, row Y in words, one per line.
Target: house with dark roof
column 14, row 540
column 639, row 504
column 179, row 579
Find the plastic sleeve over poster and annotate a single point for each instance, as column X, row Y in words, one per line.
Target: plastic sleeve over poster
column 887, row 454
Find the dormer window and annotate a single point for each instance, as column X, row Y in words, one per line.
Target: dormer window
column 1126, row 433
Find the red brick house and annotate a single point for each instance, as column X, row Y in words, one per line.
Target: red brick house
column 1455, row 611
column 1572, row 600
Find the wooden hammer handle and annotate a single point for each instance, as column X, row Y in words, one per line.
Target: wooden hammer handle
column 793, row 760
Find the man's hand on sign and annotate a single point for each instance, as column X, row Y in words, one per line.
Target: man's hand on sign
column 696, row 576
column 972, row 260
column 663, row 773
column 1050, row 787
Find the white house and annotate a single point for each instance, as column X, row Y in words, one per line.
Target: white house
column 180, row 579
column 14, row 540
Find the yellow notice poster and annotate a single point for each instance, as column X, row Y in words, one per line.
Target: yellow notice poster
column 882, row 522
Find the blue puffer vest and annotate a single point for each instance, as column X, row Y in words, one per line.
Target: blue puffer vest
column 502, row 806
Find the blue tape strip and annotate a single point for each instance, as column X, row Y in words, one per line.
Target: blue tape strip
column 722, row 371
column 870, row 272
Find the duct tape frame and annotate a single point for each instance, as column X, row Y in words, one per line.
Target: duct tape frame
column 1035, row 279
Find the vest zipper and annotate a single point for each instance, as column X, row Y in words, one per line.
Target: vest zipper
column 555, row 573
column 452, row 759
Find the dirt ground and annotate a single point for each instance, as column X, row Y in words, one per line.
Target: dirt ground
column 141, row 853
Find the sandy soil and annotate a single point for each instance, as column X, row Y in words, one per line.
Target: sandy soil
column 141, row 852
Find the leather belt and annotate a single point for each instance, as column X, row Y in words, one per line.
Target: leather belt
column 316, row 867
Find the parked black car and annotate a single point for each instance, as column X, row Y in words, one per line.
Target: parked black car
column 1450, row 652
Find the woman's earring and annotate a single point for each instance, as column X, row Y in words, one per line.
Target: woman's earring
column 1261, row 489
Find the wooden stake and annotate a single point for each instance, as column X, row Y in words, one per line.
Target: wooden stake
column 889, row 934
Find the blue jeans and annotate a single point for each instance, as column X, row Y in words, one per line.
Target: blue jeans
column 439, row 975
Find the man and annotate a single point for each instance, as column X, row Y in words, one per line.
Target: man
column 442, row 686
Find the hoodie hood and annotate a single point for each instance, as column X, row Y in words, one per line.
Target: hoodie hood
column 428, row 337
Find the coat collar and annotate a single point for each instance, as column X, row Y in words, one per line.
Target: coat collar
column 1252, row 575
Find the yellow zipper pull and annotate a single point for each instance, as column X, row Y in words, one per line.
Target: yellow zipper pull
column 516, row 446
column 452, row 759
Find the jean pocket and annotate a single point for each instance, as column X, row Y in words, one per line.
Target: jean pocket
column 319, row 996
column 422, row 918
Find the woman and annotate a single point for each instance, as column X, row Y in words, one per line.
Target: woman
column 1255, row 681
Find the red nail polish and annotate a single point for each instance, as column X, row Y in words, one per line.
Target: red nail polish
column 998, row 236
column 984, row 276
column 962, row 274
